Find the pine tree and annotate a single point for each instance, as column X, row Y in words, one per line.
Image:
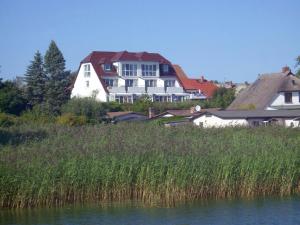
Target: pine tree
column 57, row 92
column 36, row 80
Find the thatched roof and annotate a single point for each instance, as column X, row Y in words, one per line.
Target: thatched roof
column 260, row 94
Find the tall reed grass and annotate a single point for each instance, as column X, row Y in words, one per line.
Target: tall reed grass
column 144, row 162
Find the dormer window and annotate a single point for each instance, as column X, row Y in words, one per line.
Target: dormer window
column 165, row 68
column 87, row 70
column 288, row 97
column 148, row 70
column 107, row 67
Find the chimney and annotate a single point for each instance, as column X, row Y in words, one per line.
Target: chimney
column 192, row 110
column 286, row 69
column 151, row 113
column 201, row 79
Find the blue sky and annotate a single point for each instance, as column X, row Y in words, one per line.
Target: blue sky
column 223, row 40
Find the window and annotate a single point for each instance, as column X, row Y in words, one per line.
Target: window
column 130, row 83
column 178, row 98
column 129, row 70
column 87, row 70
column 148, row 70
column 150, row 83
column 87, row 83
column 123, row 99
column 107, row 67
column 158, row 98
column 169, row 83
column 288, row 97
column 111, row 82
column 165, row 68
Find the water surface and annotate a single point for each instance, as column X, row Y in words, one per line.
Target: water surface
column 261, row 211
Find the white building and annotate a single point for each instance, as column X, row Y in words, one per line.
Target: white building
column 125, row 76
column 252, row 118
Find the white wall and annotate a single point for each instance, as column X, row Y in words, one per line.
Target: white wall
column 140, row 82
column 291, row 123
column 161, row 81
column 81, row 90
column 214, row 121
column 279, row 101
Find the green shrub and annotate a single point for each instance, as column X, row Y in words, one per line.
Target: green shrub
column 37, row 115
column 71, row 120
column 7, row 120
column 91, row 109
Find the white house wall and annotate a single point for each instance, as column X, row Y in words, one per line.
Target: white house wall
column 279, row 101
column 291, row 123
column 214, row 121
column 80, row 88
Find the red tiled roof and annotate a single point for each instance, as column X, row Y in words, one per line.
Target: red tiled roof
column 98, row 58
column 207, row 87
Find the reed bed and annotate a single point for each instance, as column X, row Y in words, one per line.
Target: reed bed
column 57, row 165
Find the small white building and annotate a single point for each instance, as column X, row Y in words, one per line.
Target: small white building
column 125, row 76
column 252, row 118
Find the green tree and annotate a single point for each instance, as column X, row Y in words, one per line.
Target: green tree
column 36, row 80
column 11, row 98
column 298, row 65
column 222, row 97
column 57, row 91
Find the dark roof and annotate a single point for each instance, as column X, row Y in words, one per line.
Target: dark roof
column 239, row 114
column 126, row 116
column 184, row 112
column 121, row 113
column 108, row 57
column 99, row 58
column 261, row 93
column 290, row 83
column 207, row 87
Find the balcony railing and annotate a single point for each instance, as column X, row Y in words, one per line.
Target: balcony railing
column 174, row 90
column 197, row 96
column 155, row 90
column 139, row 90
column 117, row 89
column 148, row 90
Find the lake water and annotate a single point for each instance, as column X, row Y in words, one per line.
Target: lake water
column 263, row 211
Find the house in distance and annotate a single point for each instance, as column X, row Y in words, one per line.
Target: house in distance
column 125, row 76
column 274, row 98
column 271, row 91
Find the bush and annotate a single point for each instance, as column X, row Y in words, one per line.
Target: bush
column 91, row 109
column 37, row 115
column 71, row 120
column 11, row 99
column 7, row 120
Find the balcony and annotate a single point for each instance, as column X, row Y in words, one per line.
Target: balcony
column 150, row 91
column 117, row 89
column 155, row 90
column 174, row 90
column 197, row 96
column 136, row 90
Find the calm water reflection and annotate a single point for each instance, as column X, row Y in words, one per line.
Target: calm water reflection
column 264, row 211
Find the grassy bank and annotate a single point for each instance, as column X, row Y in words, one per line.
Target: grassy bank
column 55, row 165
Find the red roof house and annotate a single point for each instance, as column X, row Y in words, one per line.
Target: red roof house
column 191, row 85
